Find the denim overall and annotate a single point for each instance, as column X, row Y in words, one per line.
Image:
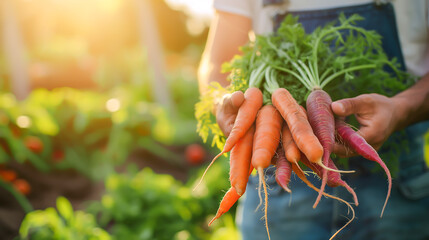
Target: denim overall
column 291, row 216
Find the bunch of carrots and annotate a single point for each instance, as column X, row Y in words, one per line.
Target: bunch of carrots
column 282, row 131
column 272, row 124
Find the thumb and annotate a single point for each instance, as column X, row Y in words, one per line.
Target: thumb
column 347, row 106
column 237, row 99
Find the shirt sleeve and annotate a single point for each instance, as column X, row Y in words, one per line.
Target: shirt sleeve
column 239, row 7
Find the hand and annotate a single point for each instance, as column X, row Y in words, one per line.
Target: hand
column 226, row 111
column 377, row 115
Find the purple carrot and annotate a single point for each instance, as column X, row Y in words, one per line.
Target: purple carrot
column 361, row 147
column 283, row 169
column 322, row 121
column 334, row 178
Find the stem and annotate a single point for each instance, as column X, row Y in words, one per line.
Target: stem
column 309, row 83
column 313, row 72
column 270, row 82
column 256, row 76
column 305, row 82
column 329, row 70
column 350, row 69
column 324, row 34
column 313, row 78
column 21, row 199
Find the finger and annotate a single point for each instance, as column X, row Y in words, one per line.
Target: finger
column 349, row 106
column 371, row 137
column 343, row 151
column 237, row 99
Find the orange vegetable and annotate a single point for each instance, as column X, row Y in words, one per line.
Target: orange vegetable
column 240, row 158
column 298, row 124
column 267, row 137
column 291, row 151
column 246, row 115
column 228, row 200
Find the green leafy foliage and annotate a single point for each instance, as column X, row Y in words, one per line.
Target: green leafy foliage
column 89, row 131
column 146, row 205
column 140, row 204
column 61, row 224
column 203, row 113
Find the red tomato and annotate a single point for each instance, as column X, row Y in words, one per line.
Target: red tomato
column 195, row 154
column 7, row 175
column 22, row 186
column 57, row 156
column 34, row 144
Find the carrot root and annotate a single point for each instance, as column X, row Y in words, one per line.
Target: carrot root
column 264, row 184
column 301, row 175
column 205, row 171
column 334, row 170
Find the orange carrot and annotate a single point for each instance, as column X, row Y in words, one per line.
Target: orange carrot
column 291, row 151
column 228, row 200
column 266, row 137
column 246, row 115
column 265, row 141
column 240, row 158
column 298, row 124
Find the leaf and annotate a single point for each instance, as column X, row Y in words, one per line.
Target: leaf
column 65, row 208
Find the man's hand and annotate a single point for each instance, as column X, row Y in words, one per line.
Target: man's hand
column 376, row 114
column 226, row 111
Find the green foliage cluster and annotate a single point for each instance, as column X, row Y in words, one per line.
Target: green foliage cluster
column 341, row 58
column 61, row 224
column 78, row 126
column 149, row 206
column 138, row 205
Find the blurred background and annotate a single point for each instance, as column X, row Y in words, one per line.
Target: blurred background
column 97, row 129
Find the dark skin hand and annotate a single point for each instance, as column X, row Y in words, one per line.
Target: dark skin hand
column 376, row 115
column 379, row 116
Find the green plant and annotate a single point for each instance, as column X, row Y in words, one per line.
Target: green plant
column 146, row 205
column 61, row 224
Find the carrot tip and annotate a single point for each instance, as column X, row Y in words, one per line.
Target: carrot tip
column 213, row 219
column 286, row 188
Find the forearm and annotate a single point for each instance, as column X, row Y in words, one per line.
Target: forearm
column 413, row 104
column 210, row 71
column 227, row 33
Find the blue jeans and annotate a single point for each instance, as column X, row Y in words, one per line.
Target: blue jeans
column 291, row 216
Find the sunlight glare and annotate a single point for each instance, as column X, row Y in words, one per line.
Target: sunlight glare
column 196, row 8
column 23, row 121
column 113, row 105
